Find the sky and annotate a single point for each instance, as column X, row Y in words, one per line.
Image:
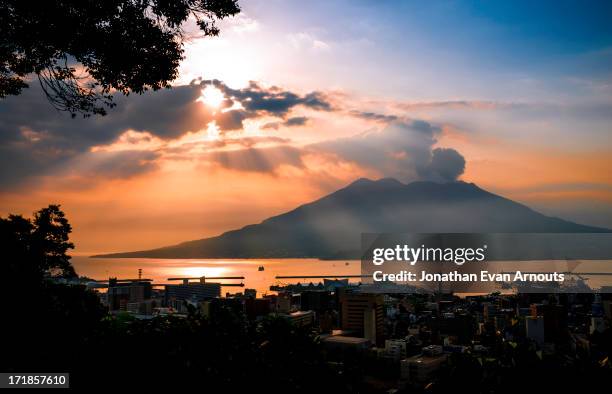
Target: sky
column 294, row 100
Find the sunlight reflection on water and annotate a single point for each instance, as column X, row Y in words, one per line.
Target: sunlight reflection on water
column 161, row 269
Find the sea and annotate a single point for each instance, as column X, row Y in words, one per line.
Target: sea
column 160, row 270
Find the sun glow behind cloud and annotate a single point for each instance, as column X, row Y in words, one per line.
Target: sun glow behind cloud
column 211, row 96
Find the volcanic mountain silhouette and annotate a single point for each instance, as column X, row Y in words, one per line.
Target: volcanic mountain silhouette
column 331, row 227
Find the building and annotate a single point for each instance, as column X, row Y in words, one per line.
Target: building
column 256, row 307
column 555, row 322
column 460, row 326
column 315, row 300
column 120, row 293
column 342, row 346
column 333, row 284
column 141, row 308
column 283, row 303
column 301, row 318
column 395, row 348
column 363, row 314
column 419, row 370
column 250, row 293
column 598, row 324
column 194, row 292
column 433, row 350
column 327, row 321
column 534, row 327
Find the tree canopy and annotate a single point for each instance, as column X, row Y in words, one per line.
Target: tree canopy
column 37, row 248
column 84, row 51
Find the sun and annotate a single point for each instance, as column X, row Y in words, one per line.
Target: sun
column 198, row 271
column 212, row 97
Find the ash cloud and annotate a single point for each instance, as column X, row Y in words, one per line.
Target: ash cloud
column 403, row 150
column 447, row 163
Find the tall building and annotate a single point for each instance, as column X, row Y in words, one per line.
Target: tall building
column 120, row 294
column 363, row 314
column 195, row 292
column 535, row 328
column 555, row 322
column 283, row 303
column 315, row 300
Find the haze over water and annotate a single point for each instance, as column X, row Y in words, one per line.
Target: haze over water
column 161, row 269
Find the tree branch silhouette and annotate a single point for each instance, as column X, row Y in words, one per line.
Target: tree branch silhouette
column 83, row 52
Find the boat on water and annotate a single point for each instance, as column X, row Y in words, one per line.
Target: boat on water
column 261, row 268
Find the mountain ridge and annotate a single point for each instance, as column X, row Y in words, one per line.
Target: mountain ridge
column 318, row 229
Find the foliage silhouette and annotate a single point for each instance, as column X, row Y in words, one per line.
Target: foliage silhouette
column 37, row 248
column 82, row 52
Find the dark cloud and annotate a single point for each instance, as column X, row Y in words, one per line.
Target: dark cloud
column 291, row 122
column 35, row 138
column 447, row 163
column 374, row 116
column 166, row 113
column 231, row 120
column 296, row 121
column 271, row 101
column 256, row 101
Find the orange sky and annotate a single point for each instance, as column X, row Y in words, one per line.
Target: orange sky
column 323, row 111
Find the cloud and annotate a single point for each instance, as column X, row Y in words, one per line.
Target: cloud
column 307, row 41
column 232, row 120
column 241, row 23
column 403, row 150
column 458, row 104
column 35, row 139
column 291, row 122
column 257, row 100
column 258, row 159
column 173, row 124
column 374, row 116
column 112, row 165
column 447, row 163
